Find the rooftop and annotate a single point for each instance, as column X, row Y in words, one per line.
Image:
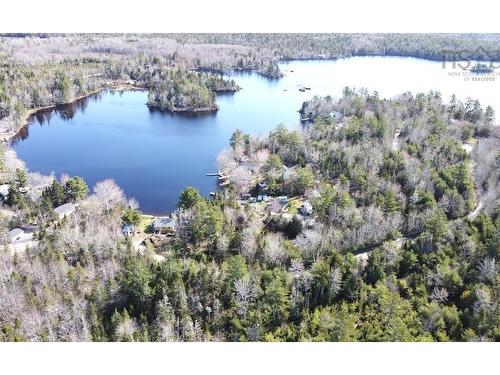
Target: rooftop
column 15, row 232
column 307, row 205
column 163, row 222
column 4, row 189
column 65, row 208
column 17, row 235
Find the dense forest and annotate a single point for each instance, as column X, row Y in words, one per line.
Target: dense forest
column 328, row 46
column 379, row 225
column 180, row 90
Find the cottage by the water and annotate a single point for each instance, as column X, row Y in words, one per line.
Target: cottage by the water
column 164, row 225
column 65, row 210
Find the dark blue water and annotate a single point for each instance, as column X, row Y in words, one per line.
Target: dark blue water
column 153, row 156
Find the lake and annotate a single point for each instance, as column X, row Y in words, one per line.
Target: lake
column 153, row 156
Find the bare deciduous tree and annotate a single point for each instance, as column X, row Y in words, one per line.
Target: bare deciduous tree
column 335, row 282
column 487, row 269
column 274, row 253
column 226, row 162
column 439, row 295
column 241, row 178
column 309, row 243
column 243, row 295
column 133, row 204
column 108, row 194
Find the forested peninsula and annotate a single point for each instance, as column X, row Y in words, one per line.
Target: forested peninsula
column 381, row 225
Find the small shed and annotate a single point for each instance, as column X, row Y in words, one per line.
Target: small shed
column 306, row 209
column 336, row 116
column 4, row 192
column 262, row 186
column 128, row 230
column 282, row 199
column 65, row 210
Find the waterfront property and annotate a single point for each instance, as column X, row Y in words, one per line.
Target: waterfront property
column 65, row 210
column 164, row 225
column 172, row 151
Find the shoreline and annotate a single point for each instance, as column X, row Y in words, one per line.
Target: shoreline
column 7, row 136
column 185, row 110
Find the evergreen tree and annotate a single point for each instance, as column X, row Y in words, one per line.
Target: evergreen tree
column 189, row 197
column 76, row 189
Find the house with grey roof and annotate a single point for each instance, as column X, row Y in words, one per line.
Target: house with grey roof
column 164, row 225
column 18, row 235
column 65, row 210
column 128, row 230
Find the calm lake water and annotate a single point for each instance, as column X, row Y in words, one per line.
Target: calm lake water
column 153, row 156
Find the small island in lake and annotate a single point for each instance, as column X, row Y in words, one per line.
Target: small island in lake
column 185, row 91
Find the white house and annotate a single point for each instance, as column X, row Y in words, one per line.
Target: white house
column 65, row 210
column 17, row 235
column 4, row 192
column 306, row 209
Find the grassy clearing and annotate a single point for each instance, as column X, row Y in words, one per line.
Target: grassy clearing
column 146, row 221
column 293, row 205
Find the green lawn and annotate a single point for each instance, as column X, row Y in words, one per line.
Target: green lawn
column 146, row 221
column 293, row 205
